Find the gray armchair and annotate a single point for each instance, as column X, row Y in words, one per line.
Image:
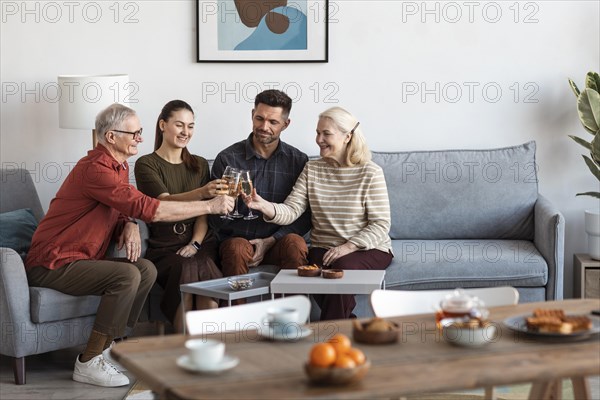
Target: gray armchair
column 34, row 320
column 37, row 320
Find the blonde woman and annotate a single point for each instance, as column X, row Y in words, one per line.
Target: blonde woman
column 348, row 198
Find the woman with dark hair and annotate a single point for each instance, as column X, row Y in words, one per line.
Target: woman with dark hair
column 182, row 251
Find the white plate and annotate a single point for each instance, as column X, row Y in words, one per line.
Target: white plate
column 519, row 324
column 292, row 336
column 226, row 363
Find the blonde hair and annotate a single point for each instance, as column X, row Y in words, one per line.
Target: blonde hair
column 357, row 151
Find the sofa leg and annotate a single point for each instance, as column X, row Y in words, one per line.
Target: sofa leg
column 19, row 370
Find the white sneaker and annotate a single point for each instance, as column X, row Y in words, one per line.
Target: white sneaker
column 107, row 357
column 98, row 372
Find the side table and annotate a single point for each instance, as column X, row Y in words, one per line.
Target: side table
column 287, row 281
column 587, row 276
column 219, row 288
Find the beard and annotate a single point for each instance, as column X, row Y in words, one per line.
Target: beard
column 265, row 138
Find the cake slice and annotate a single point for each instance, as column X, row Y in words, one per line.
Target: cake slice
column 579, row 322
column 541, row 312
column 555, row 321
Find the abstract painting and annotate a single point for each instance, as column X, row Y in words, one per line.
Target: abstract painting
column 262, row 31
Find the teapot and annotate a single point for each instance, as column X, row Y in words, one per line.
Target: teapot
column 460, row 305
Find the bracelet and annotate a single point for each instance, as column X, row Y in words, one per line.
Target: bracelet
column 196, row 245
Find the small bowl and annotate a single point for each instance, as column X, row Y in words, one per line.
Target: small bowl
column 332, row 273
column 309, row 271
column 240, row 283
column 361, row 334
column 336, row 376
column 468, row 333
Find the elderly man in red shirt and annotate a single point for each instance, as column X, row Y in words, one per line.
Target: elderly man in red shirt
column 94, row 204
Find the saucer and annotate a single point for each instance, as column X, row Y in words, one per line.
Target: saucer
column 294, row 335
column 226, row 363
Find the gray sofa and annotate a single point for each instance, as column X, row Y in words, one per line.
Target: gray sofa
column 471, row 218
column 460, row 218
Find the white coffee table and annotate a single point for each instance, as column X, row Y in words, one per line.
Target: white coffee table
column 287, row 281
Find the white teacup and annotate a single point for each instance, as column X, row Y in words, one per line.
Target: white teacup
column 205, row 353
column 282, row 319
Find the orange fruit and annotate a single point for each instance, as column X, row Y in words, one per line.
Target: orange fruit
column 322, row 355
column 340, row 342
column 357, row 355
column 344, row 361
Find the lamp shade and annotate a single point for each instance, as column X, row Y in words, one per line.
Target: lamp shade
column 84, row 96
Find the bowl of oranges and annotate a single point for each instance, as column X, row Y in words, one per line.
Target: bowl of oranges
column 336, row 362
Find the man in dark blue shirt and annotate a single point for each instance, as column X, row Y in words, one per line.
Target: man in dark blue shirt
column 274, row 167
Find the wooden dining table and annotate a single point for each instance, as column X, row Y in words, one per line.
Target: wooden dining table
column 422, row 361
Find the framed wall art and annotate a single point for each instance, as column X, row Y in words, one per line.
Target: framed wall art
column 262, row 31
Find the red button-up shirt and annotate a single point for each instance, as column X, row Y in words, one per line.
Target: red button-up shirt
column 94, row 200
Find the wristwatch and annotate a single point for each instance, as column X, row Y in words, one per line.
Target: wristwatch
column 196, row 245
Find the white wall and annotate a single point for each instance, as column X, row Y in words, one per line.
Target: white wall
column 380, row 53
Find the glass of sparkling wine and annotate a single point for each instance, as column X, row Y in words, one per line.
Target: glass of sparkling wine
column 236, row 213
column 246, row 184
column 229, row 176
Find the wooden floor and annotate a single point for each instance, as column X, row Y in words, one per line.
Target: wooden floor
column 49, row 377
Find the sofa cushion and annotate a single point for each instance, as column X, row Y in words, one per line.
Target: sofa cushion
column 448, row 264
column 16, row 230
column 461, row 194
column 49, row 305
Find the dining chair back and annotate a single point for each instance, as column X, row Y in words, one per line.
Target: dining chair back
column 389, row 303
column 243, row 317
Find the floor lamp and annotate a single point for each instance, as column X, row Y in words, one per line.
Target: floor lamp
column 82, row 97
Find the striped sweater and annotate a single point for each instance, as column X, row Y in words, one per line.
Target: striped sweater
column 347, row 204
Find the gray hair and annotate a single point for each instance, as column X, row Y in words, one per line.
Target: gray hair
column 112, row 117
column 357, row 151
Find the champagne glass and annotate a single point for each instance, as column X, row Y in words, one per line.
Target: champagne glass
column 246, row 185
column 236, row 214
column 229, row 175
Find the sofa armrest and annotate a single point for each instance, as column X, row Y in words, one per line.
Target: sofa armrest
column 113, row 252
column 15, row 313
column 549, row 239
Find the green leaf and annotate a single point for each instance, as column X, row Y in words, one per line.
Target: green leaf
column 592, row 166
column 584, row 108
column 595, row 150
column 574, row 88
column 582, row 142
column 594, row 98
column 593, row 194
column 592, row 81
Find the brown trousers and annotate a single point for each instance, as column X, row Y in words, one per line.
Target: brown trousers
column 289, row 252
column 123, row 286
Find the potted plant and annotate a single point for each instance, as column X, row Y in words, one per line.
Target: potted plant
column 588, row 108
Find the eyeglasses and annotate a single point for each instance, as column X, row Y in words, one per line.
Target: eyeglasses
column 136, row 134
